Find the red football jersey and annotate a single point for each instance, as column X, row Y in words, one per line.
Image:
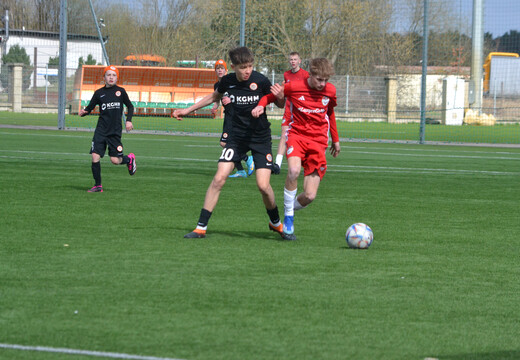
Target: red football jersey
column 312, row 111
column 289, row 76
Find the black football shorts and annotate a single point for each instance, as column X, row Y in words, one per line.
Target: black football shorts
column 235, row 151
column 100, row 143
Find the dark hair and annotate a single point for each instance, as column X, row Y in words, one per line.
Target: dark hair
column 295, row 53
column 321, row 67
column 241, row 55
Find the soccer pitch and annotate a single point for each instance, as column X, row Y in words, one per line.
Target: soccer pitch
column 111, row 275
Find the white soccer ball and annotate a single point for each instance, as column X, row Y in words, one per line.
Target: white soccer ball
column 359, row 236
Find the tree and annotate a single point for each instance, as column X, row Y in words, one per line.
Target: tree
column 510, row 42
column 17, row 54
column 90, row 61
column 53, row 63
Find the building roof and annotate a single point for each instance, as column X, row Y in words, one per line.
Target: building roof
column 49, row 34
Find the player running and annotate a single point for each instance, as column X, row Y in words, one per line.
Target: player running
column 221, row 70
column 110, row 99
column 296, row 73
column 244, row 88
column 312, row 111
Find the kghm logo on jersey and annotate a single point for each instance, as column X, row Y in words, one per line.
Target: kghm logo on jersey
column 110, row 105
column 118, row 93
column 245, row 100
column 253, row 86
column 325, row 101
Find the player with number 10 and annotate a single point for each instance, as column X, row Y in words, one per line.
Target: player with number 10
column 244, row 87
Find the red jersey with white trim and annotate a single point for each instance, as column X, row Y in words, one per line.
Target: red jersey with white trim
column 312, row 111
column 289, row 76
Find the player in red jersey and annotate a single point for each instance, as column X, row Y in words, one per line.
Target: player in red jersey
column 312, row 102
column 296, row 73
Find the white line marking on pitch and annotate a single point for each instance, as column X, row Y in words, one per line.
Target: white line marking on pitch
column 82, row 352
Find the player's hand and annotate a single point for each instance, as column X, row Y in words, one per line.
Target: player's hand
column 129, row 126
column 276, row 169
column 82, row 112
column 335, row 149
column 214, row 110
column 179, row 113
column 277, row 91
column 257, row 111
column 225, row 100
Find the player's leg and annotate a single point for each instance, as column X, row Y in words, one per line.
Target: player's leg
column 315, row 166
column 263, row 177
column 294, row 165
column 224, row 168
column 214, row 189
column 240, row 173
column 311, row 183
column 224, row 138
column 263, row 160
column 117, row 157
column 250, row 164
column 281, row 146
column 97, row 150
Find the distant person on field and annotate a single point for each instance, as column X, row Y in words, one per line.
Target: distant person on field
column 295, row 73
column 221, row 70
column 244, row 87
column 312, row 112
column 110, row 100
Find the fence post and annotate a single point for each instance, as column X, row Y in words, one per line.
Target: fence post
column 15, row 86
column 391, row 99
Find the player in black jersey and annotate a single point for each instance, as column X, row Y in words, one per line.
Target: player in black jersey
column 245, row 87
column 110, row 99
column 221, row 71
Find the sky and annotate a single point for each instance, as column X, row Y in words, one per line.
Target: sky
column 500, row 16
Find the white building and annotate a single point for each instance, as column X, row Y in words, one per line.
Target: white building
column 43, row 45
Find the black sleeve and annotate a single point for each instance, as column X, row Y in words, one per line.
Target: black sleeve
column 128, row 104
column 266, row 86
column 93, row 102
column 221, row 85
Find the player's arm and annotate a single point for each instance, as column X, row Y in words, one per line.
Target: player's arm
column 335, row 148
column 215, row 96
column 214, row 109
column 264, row 101
column 91, row 105
column 126, row 100
column 275, row 96
column 279, row 92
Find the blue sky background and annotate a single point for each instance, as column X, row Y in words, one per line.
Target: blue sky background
column 500, row 16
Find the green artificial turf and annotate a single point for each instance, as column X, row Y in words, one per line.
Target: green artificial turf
column 365, row 130
column 111, row 271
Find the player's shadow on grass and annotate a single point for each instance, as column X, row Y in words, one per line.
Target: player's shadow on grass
column 249, row 235
column 499, row 355
column 345, row 247
column 79, row 187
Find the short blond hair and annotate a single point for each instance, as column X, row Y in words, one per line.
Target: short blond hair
column 321, row 67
